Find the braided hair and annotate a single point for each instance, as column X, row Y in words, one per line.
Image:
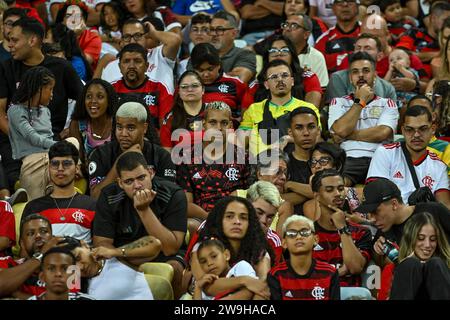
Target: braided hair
column 31, row 84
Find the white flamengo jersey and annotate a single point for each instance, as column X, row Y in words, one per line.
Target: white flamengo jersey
column 380, row 111
column 389, row 162
column 118, row 281
column 160, row 69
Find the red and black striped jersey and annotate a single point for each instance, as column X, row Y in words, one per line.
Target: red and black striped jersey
column 320, row 283
column 275, row 243
column 335, row 45
column 227, row 89
column 329, row 249
column 155, row 95
column 209, row 181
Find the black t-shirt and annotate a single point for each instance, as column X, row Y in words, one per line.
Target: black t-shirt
column 298, row 170
column 67, row 85
column 269, row 22
column 102, row 159
column 4, row 55
column 116, row 218
column 437, row 210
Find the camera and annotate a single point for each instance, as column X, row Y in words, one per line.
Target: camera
column 390, row 249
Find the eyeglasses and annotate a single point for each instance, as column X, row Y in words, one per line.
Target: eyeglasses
column 282, row 52
column 322, row 161
column 291, row 26
column 54, row 164
column 192, row 86
column 136, row 37
column 219, row 31
column 279, row 76
column 411, row 131
column 203, row 30
column 291, row 233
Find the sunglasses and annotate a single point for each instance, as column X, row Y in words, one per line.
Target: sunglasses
column 282, row 52
column 54, row 164
column 302, row 232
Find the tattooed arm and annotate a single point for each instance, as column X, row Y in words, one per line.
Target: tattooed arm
column 142, row 250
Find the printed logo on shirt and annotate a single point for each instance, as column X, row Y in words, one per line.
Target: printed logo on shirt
column 289, row 294
column 336, row 46
column 170, row 173
column 201, row 6
column 428, row 182
column 318, row 293
column 78, row 216
column 375, row 111
column 197, row 176
column 318, row 248
column 398, row 175
column 150, row 100
column 232, row 174
column 92, row 167
column 224, row 88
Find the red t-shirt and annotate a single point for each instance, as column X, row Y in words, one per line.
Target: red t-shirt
column 91, row 44
column 7, row 223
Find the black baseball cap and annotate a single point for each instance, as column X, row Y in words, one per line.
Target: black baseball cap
column 376, row 192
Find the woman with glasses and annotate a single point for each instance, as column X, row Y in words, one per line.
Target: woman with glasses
column 186, row 113
column 219, row 86
column 306, row 84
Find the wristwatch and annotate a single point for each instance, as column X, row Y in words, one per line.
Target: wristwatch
column 360, row 102
column 344, row 230
column 38, row 256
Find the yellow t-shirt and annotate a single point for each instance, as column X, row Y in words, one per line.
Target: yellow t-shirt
column 254, row 115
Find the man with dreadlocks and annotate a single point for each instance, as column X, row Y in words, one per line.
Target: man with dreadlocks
column 25, row 43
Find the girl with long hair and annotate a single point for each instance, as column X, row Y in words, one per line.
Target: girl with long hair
column 30, row 128
column 187, row 111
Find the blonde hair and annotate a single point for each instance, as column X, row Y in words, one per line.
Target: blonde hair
column 266, row 191
column 295, row 218
column 411, row 233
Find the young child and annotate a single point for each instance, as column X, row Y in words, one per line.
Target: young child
column 301, row 277
column 393, row 13
column 56, row 274
column 399, row 67
column 235, row 282
column 30, row 128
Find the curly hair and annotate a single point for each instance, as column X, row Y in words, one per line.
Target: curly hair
column 80, row 112
column 297, row 72
column 253, row 245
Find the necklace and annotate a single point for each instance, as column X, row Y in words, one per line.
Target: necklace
column 96, row 136
column 102, row 264
column 62, row 215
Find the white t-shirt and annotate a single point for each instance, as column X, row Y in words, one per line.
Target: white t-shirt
column 117, row 281
column 160, row 69
column 380, row 111
column 315, row 60
column 242, row 268
column 324, row 11
column 389, row 162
